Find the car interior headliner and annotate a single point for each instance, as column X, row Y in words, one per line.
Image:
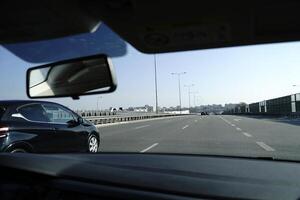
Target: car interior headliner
column 155, row 26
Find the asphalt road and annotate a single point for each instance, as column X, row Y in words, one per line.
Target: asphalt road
column 213, row 135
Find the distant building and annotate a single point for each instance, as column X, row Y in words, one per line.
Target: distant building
column 214, row 108
column 130, row 109
column 140, row 109
column 230, row 106
column 145, row 108
column 150, row 108
column 178, row 112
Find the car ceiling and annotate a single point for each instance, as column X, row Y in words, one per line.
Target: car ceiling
column 155, row 26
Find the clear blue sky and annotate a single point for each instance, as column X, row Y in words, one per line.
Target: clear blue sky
column 229, row 75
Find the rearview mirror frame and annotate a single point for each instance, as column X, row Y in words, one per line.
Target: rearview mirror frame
column 108, row 61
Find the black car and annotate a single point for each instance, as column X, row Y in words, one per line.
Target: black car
column 44, row 127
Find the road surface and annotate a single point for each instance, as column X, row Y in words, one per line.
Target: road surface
column 213, row 135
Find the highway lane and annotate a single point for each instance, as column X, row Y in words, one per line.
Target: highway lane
column 135, row 137
column 282, row 136
column 214, row 135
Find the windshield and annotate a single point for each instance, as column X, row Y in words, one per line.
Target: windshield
column 240, row 101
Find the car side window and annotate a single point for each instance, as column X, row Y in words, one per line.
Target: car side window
column 34, row 112
column 57, row 114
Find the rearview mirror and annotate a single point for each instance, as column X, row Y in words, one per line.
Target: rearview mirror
column 72, row 78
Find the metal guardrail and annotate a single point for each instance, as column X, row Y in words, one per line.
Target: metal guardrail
column 119, row 118
column 94, row 113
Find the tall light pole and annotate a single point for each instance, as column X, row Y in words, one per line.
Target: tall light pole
column 155, row 75
column 197, row 100
column 295, row 85
column 194, row 93
column 100, row 97
column 179, row 87
column 189, row 88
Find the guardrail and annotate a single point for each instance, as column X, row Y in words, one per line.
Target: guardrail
column 119, row 118
column 95, row 113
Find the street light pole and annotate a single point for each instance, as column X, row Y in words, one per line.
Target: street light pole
column 189, row 88
column 197, row 100
column 100, row 97
column 179, row 88
column 194, row 93
column 156, row 95
column 295, row 85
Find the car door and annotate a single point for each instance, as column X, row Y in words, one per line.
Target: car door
column 30, row 120
column 71, row 136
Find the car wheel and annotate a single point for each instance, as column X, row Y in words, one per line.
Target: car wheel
column 93, row 144
column 18, row 150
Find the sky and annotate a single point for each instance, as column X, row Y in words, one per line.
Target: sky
column 224, row 75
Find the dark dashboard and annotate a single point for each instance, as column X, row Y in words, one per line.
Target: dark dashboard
column 147, row 176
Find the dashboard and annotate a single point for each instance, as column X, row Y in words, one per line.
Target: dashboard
column 147, row 176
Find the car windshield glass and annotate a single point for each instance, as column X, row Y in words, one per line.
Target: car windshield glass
column 239, row 101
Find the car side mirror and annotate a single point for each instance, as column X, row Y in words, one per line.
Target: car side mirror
column 72, row 78
column 72, row 123
column 80, row 120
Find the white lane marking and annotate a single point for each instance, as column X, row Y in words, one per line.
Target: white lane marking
column 238, row 129
column 265, row 146
column 233, row 125
column 225, row 120
column 247, row 134
column 196, row 120
column 237, row 120
column 185, row 126
column 148, row 148
column 141, row 127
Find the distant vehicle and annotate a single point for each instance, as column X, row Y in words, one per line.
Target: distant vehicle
column 44, row 127
column 204, row 113
column 113, row 110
